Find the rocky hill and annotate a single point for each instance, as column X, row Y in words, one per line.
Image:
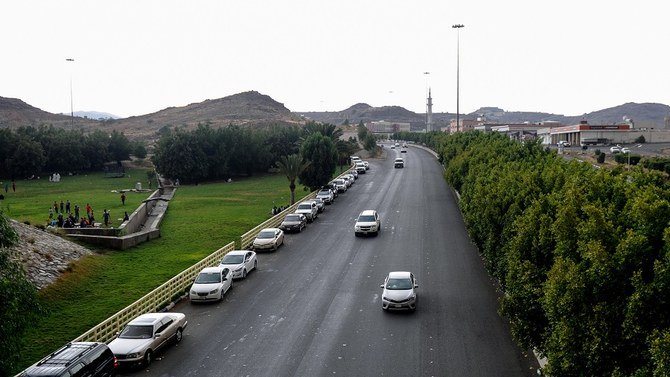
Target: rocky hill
column 15, row 113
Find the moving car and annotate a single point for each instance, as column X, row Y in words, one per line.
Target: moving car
column 309, row 210
column 269, row 238
column 563, row 143
column 293, row 222
column 143, row 336
column 211, row 284
column 399, row 291
column 404, row 150
column 241, row 262
column 399, row 163
column 367, row 223
column 326, row 195
column 615, row 149
column 76, row 359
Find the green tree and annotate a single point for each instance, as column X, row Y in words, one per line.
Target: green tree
column 139, row 150
column 119, row 146
column 18, row 297
column 321, row 154
column 291, row 166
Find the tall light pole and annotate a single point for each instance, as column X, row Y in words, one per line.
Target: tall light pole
column 458, row 76
column 71, row 100
column 428, row 105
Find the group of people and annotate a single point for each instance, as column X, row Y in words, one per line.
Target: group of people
column 276, row 210
column 65, row 215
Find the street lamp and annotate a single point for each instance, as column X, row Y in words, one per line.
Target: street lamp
column 457, row 27
column 71, row 101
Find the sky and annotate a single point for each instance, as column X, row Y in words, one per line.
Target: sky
column 136, row 57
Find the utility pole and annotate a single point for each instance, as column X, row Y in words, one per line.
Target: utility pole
column 458, row 76
column 71, row 100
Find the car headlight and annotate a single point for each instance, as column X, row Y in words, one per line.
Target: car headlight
column 133, row 355
column 238, row 269
column 213, row 291
column 193, row 292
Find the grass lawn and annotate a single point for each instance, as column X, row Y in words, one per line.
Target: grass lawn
column 200, row 219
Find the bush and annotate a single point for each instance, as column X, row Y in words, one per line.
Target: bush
column 624, row 158
column 640, row 139
column 597, row 152
column 600, row 158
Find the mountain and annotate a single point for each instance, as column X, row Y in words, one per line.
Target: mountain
column 362, row 112
column 16, row 113
column 97, row 115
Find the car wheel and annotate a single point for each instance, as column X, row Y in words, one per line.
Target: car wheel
column 221, row 295
column 244, row 274
column 148, row 357
column 231, row 284
column 256, row 264
column 275, row 248
column 179, row 335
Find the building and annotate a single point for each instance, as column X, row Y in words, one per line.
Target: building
column 384, row 127
column 602, row 134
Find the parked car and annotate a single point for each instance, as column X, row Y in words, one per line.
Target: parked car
column 211, row 284
column 340, row 185
column 399, row 291
column 615, row 149
column 269, row 238
column 76, row 359
column 360, row 167
column 320, row 204
column 326, row 195
column 367, row 222
column 309, row 210
column 353, row 172
column 293, row 222
column 332, row 188
column 354, row 159
column 625, row 150
column 563, row 143
column 145, row 335
column 367, row 165
column 241, row 262
column 399, row 163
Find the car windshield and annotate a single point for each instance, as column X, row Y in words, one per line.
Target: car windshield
column 366, row 218
column 232, row 259
column 305, row 206
column 208, row 278
column 292, row 218
column 324, row 192
column 398, row 284
column 136, row 332
column 266, row 235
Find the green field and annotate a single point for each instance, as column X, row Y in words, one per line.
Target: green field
column 200, row 219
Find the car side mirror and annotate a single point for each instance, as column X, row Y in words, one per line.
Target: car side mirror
column 158, row 335
column 381, row 285
column 416, row 285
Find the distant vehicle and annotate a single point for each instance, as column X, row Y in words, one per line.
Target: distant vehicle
column 76, row 359
column 615, row 149
column 396, row 144
column 367, row 165
column 320, row 204
column 211, row 284
column 399, row 163
column 353, row 172
column 360, row 167
column 241, row 262
column 563, row 143
column 594, row 141
column 392, row 146
column 399, row 291
column 625, row 150
column 145, row 335
column 367, row 223
column 403, row 150
column 293, row 222
column 340, row 185
column 269, row 238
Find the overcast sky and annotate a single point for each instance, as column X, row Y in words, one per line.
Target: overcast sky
column 135, row 57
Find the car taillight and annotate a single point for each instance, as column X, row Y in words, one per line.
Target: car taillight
column 116, row 362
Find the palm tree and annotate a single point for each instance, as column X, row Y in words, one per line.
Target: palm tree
column 291, row 166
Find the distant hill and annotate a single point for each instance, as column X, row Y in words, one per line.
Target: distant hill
column 97, row 115
column 258, row 110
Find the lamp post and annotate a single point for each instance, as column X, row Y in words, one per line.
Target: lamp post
column 71, row 100
column 458, row 40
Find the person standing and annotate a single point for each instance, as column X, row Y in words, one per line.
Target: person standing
column 6, row 187
column 67, row 206
column 105, row 216
column 76, row 211
column 13, row 185
column 88, row 210
column 62, row 206
column 123, row 198
column 55, row 207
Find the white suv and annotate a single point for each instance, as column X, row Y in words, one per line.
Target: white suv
column 367, row 223
column 399, row 163
column 308, row 209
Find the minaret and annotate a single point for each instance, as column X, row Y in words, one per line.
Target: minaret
column 429, row 113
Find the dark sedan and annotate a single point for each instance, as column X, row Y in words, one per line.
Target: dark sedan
column 293, row 222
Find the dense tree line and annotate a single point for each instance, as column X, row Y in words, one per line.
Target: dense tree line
column 582, row 254
column 207, row 154
column 30, row 151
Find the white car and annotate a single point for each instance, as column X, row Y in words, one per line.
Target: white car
column 145, row 335
column 340, row 185
column 360, row 167
column 326, row 195
column 367, row 223
column 625, row 150
column 269, row 239
column 399, row 291
column 367, row 165
column 241, row 262
column 308, row 209
column 211, row 284
column 615, row 149
column 399, row 163
column 320, row 204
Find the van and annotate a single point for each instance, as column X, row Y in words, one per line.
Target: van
column 76, row 359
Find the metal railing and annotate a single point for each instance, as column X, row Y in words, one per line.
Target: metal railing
column 153, row 301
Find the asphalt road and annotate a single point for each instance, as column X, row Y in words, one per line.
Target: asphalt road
column 313, row 307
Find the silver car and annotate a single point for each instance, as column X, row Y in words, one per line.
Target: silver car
column 399, row 291
column 211, row 284
column 269, row 239
column 143, row 336
column 241, row 262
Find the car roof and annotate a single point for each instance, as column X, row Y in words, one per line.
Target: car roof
column 237, row 252
column 212, row 269
column 399, row 275
column 368, row 212
column 269, row 230
column 399, row 159
column 147, row 319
